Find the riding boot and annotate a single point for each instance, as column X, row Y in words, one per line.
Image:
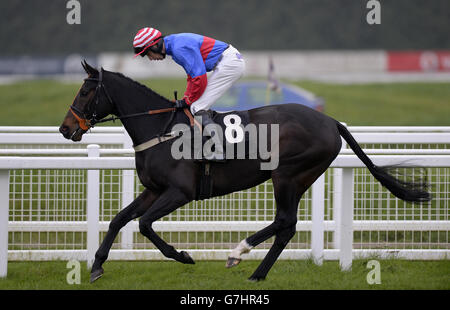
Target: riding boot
column 218, row 154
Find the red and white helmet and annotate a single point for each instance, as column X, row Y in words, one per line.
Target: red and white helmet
column 145, row 38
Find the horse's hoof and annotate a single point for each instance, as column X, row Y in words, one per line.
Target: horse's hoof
column 96, row 274
column 231, row 262
column 186, row 258
column 256, row 279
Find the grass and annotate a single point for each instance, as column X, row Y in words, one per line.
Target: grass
column 396, row 104
column 45, row 102
column 212, row 275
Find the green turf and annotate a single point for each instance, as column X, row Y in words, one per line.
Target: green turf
column 394, row 104
column 212, row 275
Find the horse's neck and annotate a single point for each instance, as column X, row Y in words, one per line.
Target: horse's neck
column 130, row 100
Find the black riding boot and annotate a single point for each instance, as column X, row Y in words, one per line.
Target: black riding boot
column 218, row 154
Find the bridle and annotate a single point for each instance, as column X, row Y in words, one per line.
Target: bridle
column 86, row 122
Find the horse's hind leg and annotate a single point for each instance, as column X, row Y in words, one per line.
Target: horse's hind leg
column 282, row 238
column 287, row 196
column 249, row 243
column 134, row 210
column 168, row 202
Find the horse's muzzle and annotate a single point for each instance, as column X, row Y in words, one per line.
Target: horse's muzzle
column 74, row 135
column 65, row 131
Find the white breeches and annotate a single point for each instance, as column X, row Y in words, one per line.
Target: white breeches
column 229, row 69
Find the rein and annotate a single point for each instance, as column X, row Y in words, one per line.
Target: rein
column 150, row 112
column 86, row 123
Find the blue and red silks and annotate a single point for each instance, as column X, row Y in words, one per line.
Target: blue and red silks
column 197, row 54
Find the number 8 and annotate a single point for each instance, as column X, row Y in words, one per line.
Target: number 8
column 233, row 126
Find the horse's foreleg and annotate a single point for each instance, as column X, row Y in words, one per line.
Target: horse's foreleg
column 168, row 202
column 132, row 211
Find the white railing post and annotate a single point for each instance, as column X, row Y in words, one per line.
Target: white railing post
column 127, row 197
column 4, row 217
column 337, row 206
column 93, row 207
column 346, row 220
column 317, row 217
column 337, row 199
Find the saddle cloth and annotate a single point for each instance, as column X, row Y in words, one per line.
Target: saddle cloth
column 234, row 138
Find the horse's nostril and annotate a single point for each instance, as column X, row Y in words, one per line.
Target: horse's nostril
column 63, row 129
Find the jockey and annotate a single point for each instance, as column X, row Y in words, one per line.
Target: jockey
column 197, row 54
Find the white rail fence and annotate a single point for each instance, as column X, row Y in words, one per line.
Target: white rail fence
column 53, row 189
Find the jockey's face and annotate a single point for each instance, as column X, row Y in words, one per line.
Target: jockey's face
column 155, row 56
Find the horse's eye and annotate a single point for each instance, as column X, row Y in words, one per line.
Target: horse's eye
column 83, row 93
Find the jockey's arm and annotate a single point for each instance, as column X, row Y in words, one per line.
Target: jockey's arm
column 193, row 64
column 195, row 88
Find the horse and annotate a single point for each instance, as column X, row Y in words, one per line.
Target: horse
column 308, row 142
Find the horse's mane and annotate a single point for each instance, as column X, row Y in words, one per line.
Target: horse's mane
column 139, row 86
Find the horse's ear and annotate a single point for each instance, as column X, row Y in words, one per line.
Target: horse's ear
column 83, row 63
column 88, row 68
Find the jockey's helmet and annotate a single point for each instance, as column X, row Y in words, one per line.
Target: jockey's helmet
column 145, row 39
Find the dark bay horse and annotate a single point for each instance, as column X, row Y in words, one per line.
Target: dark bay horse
column 308, row 143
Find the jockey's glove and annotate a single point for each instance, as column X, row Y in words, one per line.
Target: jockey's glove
column 181, row 104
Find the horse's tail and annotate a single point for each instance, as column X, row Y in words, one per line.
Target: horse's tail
column 415, row 191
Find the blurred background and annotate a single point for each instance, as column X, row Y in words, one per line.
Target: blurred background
column 353, row 70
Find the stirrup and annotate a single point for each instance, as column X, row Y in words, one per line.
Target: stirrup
column 206, row 117
column 207, row 120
